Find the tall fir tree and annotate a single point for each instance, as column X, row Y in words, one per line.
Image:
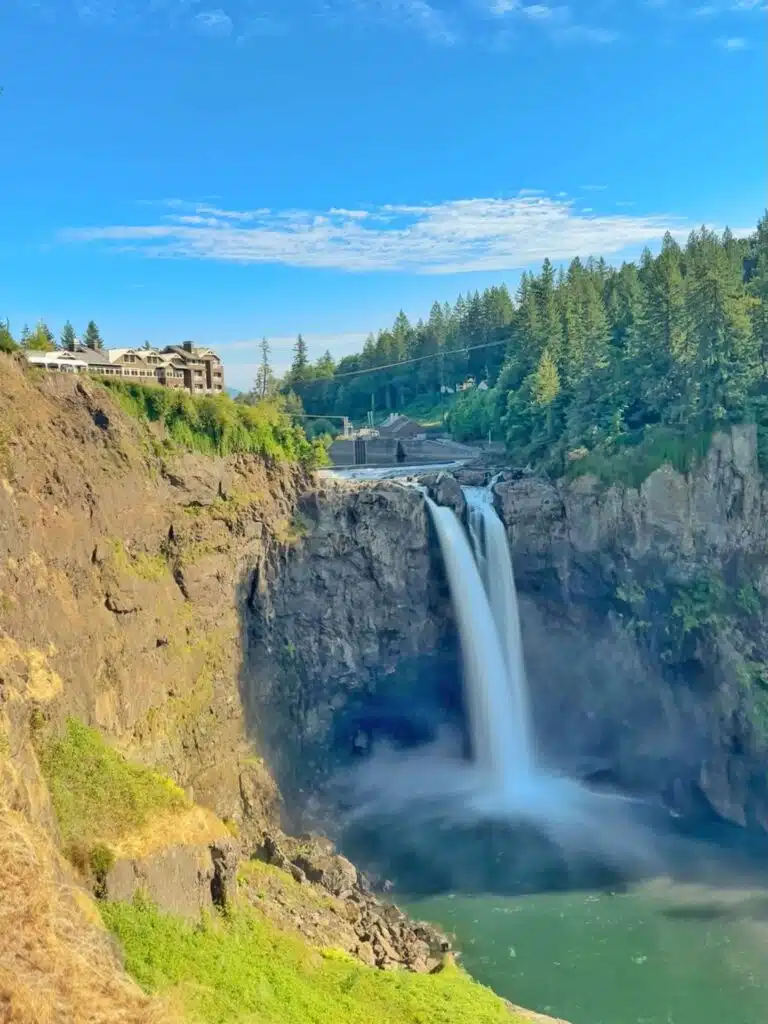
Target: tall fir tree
column 299, row 367
column 68, row 337
column 725, row 361
column 265, row 378
column 92, row 338
column 758, row 290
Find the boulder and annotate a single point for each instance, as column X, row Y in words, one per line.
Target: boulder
column 469, row 477
column 446, row 490
column 182, row 879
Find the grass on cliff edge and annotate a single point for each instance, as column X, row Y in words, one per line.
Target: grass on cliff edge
column 98, row 796
column 57, row 963
column 242, row 970
column 216, row 425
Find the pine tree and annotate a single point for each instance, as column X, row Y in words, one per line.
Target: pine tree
column 325, row 366
column 659, row 348
column 546, row 380
column 623, row 300
column 401, row 338
column 92, row 339
column 265, row 378
column 7, row 342
column 549, row 326
column 24, row 336
column 41, row 339
column 68, row 337
column 298, row 371
column 758, row 290
column 725, row 362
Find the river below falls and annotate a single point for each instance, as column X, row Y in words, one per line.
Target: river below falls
column 661, row 953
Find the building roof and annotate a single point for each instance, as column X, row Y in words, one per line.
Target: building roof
column 195, row 353
column 93, row 357
column 50, row 358
column 114, row 354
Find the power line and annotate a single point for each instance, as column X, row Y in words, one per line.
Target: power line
column 402, row 362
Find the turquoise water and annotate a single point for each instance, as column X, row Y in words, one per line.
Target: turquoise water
column 660, row 954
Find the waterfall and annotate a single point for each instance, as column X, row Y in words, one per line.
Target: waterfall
column 485, row 603
column 506, row 780
column 489, row 541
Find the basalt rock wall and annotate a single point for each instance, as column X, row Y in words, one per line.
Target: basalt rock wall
column 645, row 626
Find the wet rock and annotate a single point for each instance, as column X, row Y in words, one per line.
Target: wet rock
column 447, row 491
column 469, row 477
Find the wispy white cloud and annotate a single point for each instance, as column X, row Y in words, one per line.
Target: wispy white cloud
column 420, row 16
column 709, row 8
column 444, row 238
column 733, row 43
column 555, row 20
column 241, row 19
column 213, row 23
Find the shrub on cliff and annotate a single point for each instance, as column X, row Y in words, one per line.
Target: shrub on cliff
column 216, row 425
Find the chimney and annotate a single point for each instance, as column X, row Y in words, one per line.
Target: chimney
column 187, row 346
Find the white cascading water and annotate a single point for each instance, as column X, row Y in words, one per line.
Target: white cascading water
column 489, row 541
column 485, row 603
column 504, row 780
column 491, row 705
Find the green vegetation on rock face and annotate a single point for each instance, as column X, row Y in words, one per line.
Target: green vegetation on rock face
column 634, row 457
column 684, row 620
column 216, row 425
column 98, row 796
column 241, row 969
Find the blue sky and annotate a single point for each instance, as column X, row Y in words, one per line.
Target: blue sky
column 227, row 169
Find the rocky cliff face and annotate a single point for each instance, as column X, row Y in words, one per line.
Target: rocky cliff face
column 352, row 635
column 121, row 567
column 645, row 628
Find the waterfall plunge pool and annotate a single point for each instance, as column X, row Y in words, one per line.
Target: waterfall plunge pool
column 658, row 953
column 651, row 952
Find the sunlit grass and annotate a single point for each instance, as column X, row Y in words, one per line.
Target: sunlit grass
column 242, row 970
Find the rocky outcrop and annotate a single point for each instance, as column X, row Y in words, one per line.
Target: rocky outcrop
column 646, row 629
column 352, row 919
column 445, row 489
column 186, row 880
